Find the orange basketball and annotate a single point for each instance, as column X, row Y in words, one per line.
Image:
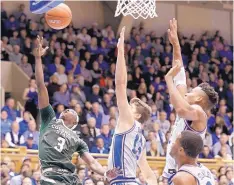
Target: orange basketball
column 59, row 17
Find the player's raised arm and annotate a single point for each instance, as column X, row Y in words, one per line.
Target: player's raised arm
column 182, row 107
column 43, row 97
column 146, row 171
column 46, row 111
column 121, row 84
column 180, row 78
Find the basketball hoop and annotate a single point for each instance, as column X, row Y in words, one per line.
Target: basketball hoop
column 136, row 8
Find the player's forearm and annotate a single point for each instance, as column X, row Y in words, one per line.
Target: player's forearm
column 39, row 72
column 151, row 179
column 121, row 70
column 177, row 100
column 97, row 167
column 176, row 53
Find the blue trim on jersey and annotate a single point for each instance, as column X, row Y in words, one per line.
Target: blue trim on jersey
column 123, row 155
column 128, row 131
column 170, row 179
column 123, row 180
column 188, row 127
column 190, row 174
column 118, row 151
column 43, row 6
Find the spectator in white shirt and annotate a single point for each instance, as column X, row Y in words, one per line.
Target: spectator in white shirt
column 84, row 36
column 163, row 122
column 15, row 56
column 14, row 138
column 222, row 143
column 62, row 77
column 93, row 131
column 107, row 30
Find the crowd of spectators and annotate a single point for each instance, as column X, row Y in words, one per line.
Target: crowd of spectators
column 79, row 70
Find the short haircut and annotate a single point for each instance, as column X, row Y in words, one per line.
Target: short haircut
column 210, row 92
column 142, row 108
column 191, row 143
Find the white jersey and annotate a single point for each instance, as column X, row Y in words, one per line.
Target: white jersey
column 126, row 149
column 201, row 173
column 180, row 125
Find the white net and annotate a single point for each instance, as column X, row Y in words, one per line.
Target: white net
column 136, row 8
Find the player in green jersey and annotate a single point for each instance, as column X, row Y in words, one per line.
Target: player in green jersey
column 57, row 141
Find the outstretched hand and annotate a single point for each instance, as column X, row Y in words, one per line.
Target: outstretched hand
column 174, row 70
column 172, row 32
column 39, row 51
column 120, row 44
column 113, row 173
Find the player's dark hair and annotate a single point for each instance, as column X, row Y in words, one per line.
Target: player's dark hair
column 142, row 108
column 210, row 92
column 191, row 143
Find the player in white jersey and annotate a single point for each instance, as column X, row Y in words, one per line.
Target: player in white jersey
column 191, row 106
column 185, row 151
column 128, row 144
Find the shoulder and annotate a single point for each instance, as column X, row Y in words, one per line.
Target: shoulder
column 199, row 109
column 183, row 178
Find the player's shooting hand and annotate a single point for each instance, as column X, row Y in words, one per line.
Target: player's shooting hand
column 39, row 51
column 172, row 32
column 174, row 70
column 120, row 44
column 113, row 173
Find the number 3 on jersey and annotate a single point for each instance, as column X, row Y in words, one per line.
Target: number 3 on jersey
column 60, row 144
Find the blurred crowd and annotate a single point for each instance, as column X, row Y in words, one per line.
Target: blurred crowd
column 79, row 70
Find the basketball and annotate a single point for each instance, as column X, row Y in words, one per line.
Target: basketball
column 59, row 17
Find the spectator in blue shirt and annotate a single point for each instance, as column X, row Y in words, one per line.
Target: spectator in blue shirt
column 103, row 49
column 9, row 108
column 11, row 24
column 210, row 121
column 5, row 123
column 32, row 132
column 95, row 97
column 206, row 153
column 95, row 113
column 24, row 123
column 106, row 135
column 62, row 96
column 99, row 148
column 52, row 68
column 203, row 56
column 107, row 103
column 216, row 135
column 229, row 95
column 29, row 143
column 222, row 113
column 226, row 53
column 60, row 108
column 93, row 47
column 102, row 63
column 73, row 67
column 167, row 53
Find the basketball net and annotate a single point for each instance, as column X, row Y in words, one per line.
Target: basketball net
column 136, row 8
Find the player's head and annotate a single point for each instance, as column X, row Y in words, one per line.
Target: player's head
column 187, row 146
column 70, row 118
column 203, row 95
column 140, row 110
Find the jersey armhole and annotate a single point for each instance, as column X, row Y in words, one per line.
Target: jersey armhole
column 198, row 183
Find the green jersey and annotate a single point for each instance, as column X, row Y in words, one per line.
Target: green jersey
column 57, row 142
